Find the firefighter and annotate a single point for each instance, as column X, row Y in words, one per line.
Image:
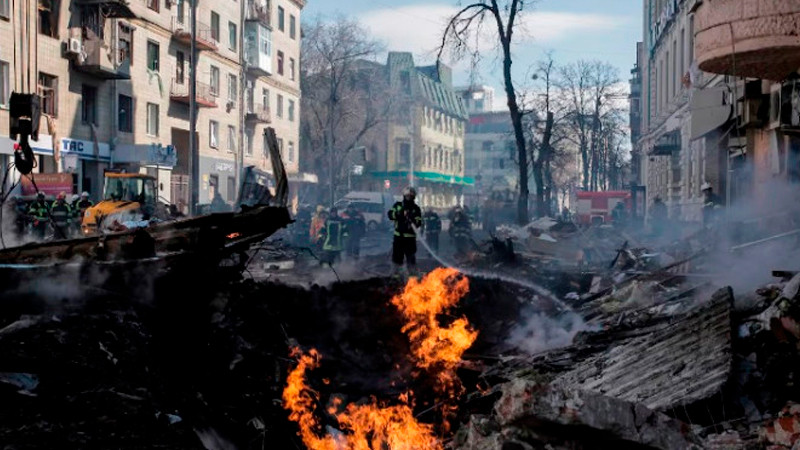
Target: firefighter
column 356, row 228
column 20, row 217
column 332, row 236
column 659, row 215
column 433, row 226
column 79, row 209
column 406, row 216
column 301, row 226
column 39, row 215
column 460, row 231
column 619, row 215
column 711, row 204
column 62, row 216
column 317, row 222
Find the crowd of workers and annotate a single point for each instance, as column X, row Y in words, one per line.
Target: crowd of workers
column 43, row 219
column 333, row 234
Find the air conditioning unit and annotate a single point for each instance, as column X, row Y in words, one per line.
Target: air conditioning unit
column 749, row 116
column 790, row 105
column 74, row 46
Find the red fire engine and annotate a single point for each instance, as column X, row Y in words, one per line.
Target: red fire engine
column 595, row 207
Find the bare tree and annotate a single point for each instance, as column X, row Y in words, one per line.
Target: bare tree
column 590, row 88
column 345, row 94
column 468, row 24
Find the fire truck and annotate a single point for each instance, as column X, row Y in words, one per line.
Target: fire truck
column 595, row 207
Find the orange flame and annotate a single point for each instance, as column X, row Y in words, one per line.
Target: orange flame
column 436, row 349
column 365, row 427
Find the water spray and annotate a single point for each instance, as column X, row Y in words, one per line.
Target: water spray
column 493, row 276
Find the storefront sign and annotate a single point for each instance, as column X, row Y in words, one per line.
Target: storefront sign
column 50, row 183
column 161, row 155
column 85, row 149
column 664, row 18
column 223, row 167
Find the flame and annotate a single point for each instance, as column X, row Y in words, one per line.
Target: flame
column 435, row 348
column 372, row 426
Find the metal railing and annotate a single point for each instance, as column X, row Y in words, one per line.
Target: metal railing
column 258, row 113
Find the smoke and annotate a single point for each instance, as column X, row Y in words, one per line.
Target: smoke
column 538, row 332
column 739, row 260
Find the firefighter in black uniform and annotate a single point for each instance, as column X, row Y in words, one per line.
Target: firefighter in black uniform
column 39, row 216
column 461, row 231
column 406, row 216
column 433, row 226
column 62, row 216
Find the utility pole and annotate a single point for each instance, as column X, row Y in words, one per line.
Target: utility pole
column 194, row 154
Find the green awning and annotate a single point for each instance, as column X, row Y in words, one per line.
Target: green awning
column 434, row 177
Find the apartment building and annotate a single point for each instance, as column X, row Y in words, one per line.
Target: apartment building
column 668, row 159
column 476, row 98
column 424, row 147
column 114, row 82
column 490, row 155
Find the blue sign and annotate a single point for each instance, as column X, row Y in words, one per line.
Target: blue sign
column 161, row 155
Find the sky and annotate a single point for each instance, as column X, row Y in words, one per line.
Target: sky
column 572, row 29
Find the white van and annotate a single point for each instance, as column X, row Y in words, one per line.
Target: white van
column 373, row 205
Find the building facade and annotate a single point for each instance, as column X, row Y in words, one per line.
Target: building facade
column 669, row 160
column 476, row 98
column 114, row 82
column 490, row 156
column 754, row 46
column 425, row 146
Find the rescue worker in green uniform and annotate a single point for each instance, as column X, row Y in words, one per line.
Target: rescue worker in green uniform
column 62, row 216
column 433, row 226
column 406, row 216
column 39, row 215
column 333, row 235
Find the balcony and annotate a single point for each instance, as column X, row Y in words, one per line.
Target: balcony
column 182, row 32
column 763, row 34
column 91, row 55
column 256, row 11
column 179, row 92
column 257, row 114
column 258, row 60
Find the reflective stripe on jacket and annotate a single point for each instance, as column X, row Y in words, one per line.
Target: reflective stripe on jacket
column 404, row 217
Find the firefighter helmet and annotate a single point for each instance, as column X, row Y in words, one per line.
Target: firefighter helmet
column 410, row 192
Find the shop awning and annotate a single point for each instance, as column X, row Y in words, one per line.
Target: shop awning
column 427, row 176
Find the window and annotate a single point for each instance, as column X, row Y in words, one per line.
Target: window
column 248, row 144
column 153, row 56
column 214, row 26
column 265, row 144
column 405, row 81
column 231, row 188
column 292, row 27
column 125, row 43
column 232, row 36
column 280, row 62
column 213, row 134
column 290, row 153
column 280, row 106
column 280, row 146
column 152, row 119
column 281, row 14
column 232, row 88
column 48, row 91
column 5, row 87
column 4, row 8
column 291, row 68
column 291, row 110
column 153, row 4
column 125, row 118
column 89, row 104
column 265, row 98
column 48, row 17
column 214, row 81
column 180, row 11
column 180, row 59
column 403, row 154
column 231, row 138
